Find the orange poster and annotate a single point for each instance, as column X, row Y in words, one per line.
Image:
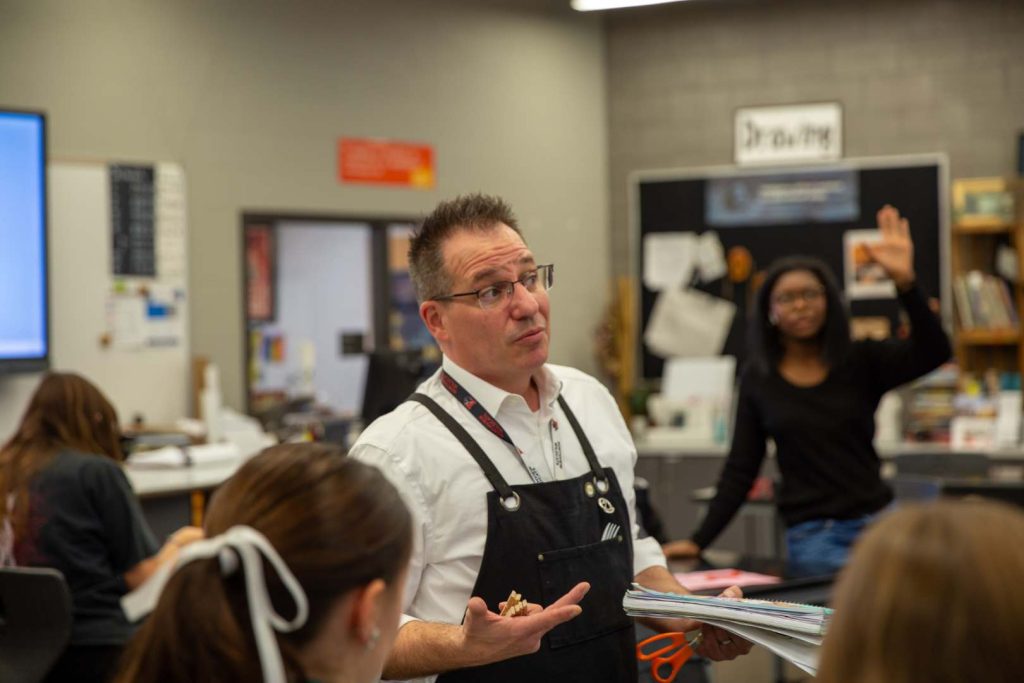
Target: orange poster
column 385, row 162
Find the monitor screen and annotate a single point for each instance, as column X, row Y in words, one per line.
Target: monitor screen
column 24, row 323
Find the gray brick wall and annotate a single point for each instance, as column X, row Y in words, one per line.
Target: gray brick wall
column 913, row 76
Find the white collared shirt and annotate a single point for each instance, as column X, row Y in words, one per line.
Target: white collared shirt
column 446, row 490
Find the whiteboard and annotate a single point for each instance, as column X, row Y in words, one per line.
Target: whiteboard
column 153, row 381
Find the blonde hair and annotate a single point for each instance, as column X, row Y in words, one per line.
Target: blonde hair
column 933, row 593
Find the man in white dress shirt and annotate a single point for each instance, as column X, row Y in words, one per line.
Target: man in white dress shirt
column 519, row 476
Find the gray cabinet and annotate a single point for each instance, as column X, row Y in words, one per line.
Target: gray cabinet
column 673, row 479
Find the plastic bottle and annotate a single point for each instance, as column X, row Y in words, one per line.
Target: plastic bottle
column 210, row 403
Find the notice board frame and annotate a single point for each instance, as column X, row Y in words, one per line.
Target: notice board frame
column 666, row 200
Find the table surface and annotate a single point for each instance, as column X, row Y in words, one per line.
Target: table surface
column 810, row 590
column 151, row 482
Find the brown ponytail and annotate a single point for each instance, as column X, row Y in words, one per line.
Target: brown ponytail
column 338, row 525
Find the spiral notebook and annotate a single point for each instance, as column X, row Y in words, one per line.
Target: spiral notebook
column 792, row 631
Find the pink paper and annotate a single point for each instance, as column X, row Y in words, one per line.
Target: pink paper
column 723, row 578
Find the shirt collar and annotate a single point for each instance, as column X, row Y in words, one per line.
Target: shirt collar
column 491, row 397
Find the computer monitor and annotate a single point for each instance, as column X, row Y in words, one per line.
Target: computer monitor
column 24, row 286
column 390, row 378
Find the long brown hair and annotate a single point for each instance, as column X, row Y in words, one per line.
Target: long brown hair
column 66, row 411
column 932, row 593
column 338, row 525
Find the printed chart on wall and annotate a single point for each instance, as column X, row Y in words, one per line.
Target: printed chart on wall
column 706, row 237
column 146, row 306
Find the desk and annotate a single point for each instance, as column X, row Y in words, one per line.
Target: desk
column 166, row 493
column 675, row 469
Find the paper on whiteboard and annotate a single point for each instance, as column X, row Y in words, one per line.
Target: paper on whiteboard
column 688, row 322
column 710, row 256
column 669, row 259
column 126, row 321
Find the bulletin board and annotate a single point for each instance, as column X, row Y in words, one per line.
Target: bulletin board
column 119, row 283
column 719, row 199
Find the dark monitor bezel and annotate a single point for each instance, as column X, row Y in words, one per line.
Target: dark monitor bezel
column 37, row 363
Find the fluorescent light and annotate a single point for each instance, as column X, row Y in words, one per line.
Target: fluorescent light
column 591, row 5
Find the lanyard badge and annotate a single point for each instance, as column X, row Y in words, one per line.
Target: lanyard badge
column 487, row 420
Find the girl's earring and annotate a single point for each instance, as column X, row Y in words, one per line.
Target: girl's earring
column 772, row 320
column 371, row 642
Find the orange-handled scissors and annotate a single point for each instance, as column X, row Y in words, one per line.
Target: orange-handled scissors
column 664, row 654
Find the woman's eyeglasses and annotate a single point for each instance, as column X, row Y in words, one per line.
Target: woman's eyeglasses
column 809, row 295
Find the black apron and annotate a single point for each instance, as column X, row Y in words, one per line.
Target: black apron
column 543, row 539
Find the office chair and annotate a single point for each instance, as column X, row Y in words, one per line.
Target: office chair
column 35, row 622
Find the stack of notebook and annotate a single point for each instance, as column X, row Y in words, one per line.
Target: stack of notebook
column 790, row 630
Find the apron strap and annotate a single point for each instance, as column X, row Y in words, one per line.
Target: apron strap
column 599, row 477
column 509, row 498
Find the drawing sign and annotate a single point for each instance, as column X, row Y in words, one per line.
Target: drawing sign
column 788, row 134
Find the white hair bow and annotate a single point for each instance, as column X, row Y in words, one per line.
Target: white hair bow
column 245, row 544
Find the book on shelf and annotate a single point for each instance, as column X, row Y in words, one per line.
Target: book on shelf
column 984, row 302
column 978, row 201
column 790, row 630
column 929, row 403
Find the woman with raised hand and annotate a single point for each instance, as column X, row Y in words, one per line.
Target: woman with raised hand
column 932, row 594
column 66, row 503
column 300, row 578
column 814, row 392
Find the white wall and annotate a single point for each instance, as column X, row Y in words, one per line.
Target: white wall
column 250, row 97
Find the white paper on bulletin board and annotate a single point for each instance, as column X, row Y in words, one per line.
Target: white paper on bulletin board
column 90, row 306
column 669, row 259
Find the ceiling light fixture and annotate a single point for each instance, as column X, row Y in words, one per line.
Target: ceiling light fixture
column 592, row 5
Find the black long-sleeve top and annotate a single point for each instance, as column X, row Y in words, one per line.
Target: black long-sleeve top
column 823, row 434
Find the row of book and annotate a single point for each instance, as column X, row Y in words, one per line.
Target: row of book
column 983, row 301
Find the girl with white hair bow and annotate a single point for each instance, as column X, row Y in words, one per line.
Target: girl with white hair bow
column 300, row 578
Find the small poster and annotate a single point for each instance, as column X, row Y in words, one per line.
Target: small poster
column 864, row 278
column 133, row 220
column 783, row 199
column 386, row 162
column 259, row 255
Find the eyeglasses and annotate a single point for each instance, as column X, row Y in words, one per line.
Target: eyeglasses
column 538, row 280
column 809, row 295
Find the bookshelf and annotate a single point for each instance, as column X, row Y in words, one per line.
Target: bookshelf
column 988, row 308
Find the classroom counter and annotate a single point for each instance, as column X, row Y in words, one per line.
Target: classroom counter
column 152, row 482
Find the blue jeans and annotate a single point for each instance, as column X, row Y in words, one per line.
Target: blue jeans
column 821, row 546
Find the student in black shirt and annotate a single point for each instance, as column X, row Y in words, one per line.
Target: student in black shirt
column 814, row 392
column 69, row 506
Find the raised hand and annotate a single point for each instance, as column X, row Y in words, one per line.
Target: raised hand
column 895, row 251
